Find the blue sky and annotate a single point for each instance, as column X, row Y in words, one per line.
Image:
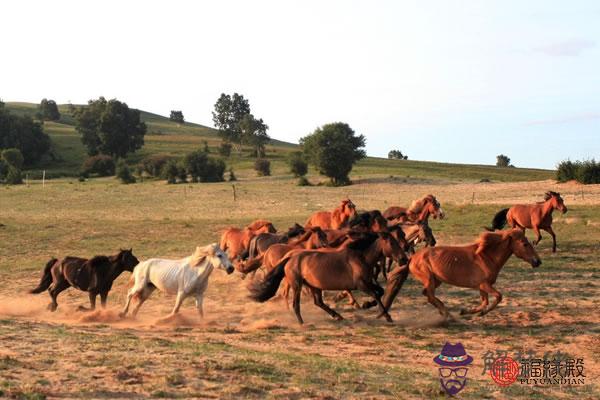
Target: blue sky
column 458, row 81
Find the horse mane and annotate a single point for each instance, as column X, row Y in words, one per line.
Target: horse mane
column 200, row 254
column 259, row 223
column 549, row 194
column 417, row 205
column 489, row 240
column 364, row 242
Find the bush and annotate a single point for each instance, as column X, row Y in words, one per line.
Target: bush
column 262, row 167
column 13, row 176
column 124, row 173
column 232, row 177
column 13, row 158
column 206, row 149
column 225, row 149
column 302, row 181
column 585, row 172
column 153, row 164
column 202, row 168
column 170, row 172
column 298, row 166
column 102, row 165
column 3, row 169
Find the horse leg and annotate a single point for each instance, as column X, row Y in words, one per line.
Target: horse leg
column 130, row 295
column 490, row 290
column 373, row 290
column 551, row 232
column 318, row 297
column 297, row 292
column 178, row 301
column 482, row 306
column 352, row 300
column 58, row 286
column 103, row 297
column 199, row 300
column 429, row 291
column 142, row 297
column 538, row 235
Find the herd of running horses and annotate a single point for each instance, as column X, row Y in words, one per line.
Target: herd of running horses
column 340, row 250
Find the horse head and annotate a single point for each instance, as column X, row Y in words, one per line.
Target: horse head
column 216, row 257
column 556, row 201
column 522, row 248
column 348, row 208
column 127, row 260
column 434, row 207
column 318, row 237
column 295, row 230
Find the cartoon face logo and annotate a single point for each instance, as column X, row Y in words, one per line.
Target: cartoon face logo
column 453, row 361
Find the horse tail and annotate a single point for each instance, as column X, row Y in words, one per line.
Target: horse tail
column 263, row 289
column 252, row 264
column 252, row 248
column 499, row 220
column 223, row 241
column 46, row 280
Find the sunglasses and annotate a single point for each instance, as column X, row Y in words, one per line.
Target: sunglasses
column 459, row 372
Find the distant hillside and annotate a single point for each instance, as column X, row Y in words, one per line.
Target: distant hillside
column 167, row 137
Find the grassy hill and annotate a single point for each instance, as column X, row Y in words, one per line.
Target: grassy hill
column 165, row 136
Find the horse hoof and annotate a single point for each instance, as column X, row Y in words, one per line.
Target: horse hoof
column 463, row 311
column 122, row 315
column 388, row 318
column 52, row 307
column 338, row 318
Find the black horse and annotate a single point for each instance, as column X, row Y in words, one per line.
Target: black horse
column 95, row 275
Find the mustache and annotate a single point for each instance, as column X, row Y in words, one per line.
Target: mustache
column 453, row 383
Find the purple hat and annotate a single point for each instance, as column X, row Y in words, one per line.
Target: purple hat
column 453, row 355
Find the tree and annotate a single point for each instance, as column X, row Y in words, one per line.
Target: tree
column 254, row 133
column 48, row 110
column 333, row 149
column 502, row 161
column 397, row 155
column 262, row 166
column 100, row 164
column 202, row 168
column 298, row 165
column 177, row 116
column 22, row 133
column 228, row 113
column 110, row 127
column 13, row 158
column 10, row 170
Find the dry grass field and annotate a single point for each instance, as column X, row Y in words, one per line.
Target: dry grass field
column 249, row 350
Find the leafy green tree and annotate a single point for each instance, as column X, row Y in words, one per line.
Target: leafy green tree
column 228, row 113
column 10, row 170
column 502, row 161
column 333, row 149
column 177, row 116
column 298, row 166
column 254, row 133
column 13, row 158
column 110, row 127
column 48, row 110
column 202, row 168
column 22, row 133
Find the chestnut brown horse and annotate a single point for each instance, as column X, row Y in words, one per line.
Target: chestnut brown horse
column 419, row 211
column 313, row 238
column 335, row 219
column 235, row 241
column 261, row 242
column 475, row 266
column 328, row 269
column 533, row 216
column 95, row 275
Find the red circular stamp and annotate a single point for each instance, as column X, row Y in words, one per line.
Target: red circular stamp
column 504, row 371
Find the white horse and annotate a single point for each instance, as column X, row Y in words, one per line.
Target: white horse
column 185, row 277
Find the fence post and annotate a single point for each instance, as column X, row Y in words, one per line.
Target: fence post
column 44, row 178
column 234, row 195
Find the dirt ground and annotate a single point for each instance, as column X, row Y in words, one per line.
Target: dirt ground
column 243, row 349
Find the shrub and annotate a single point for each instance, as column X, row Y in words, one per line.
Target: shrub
column 585, row 172
column 124, row 173
column 203, row 168
column 232, row 177
column 13, row 176
column 13, row 158
column 566, row 171
column 101, row 164
column 206, row 149
column 170, row 172
column 225, row 149
column 3, row 169
column 298, row 166
column 262, row 167
column 153, row 164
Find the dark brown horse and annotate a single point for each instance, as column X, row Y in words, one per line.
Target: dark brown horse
column 261, row 242
column 475, row 266
column 533, row 216
column 419, row 211
column 95, row 275
column 335, row 219
column 344, row 268
column 235, row 241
